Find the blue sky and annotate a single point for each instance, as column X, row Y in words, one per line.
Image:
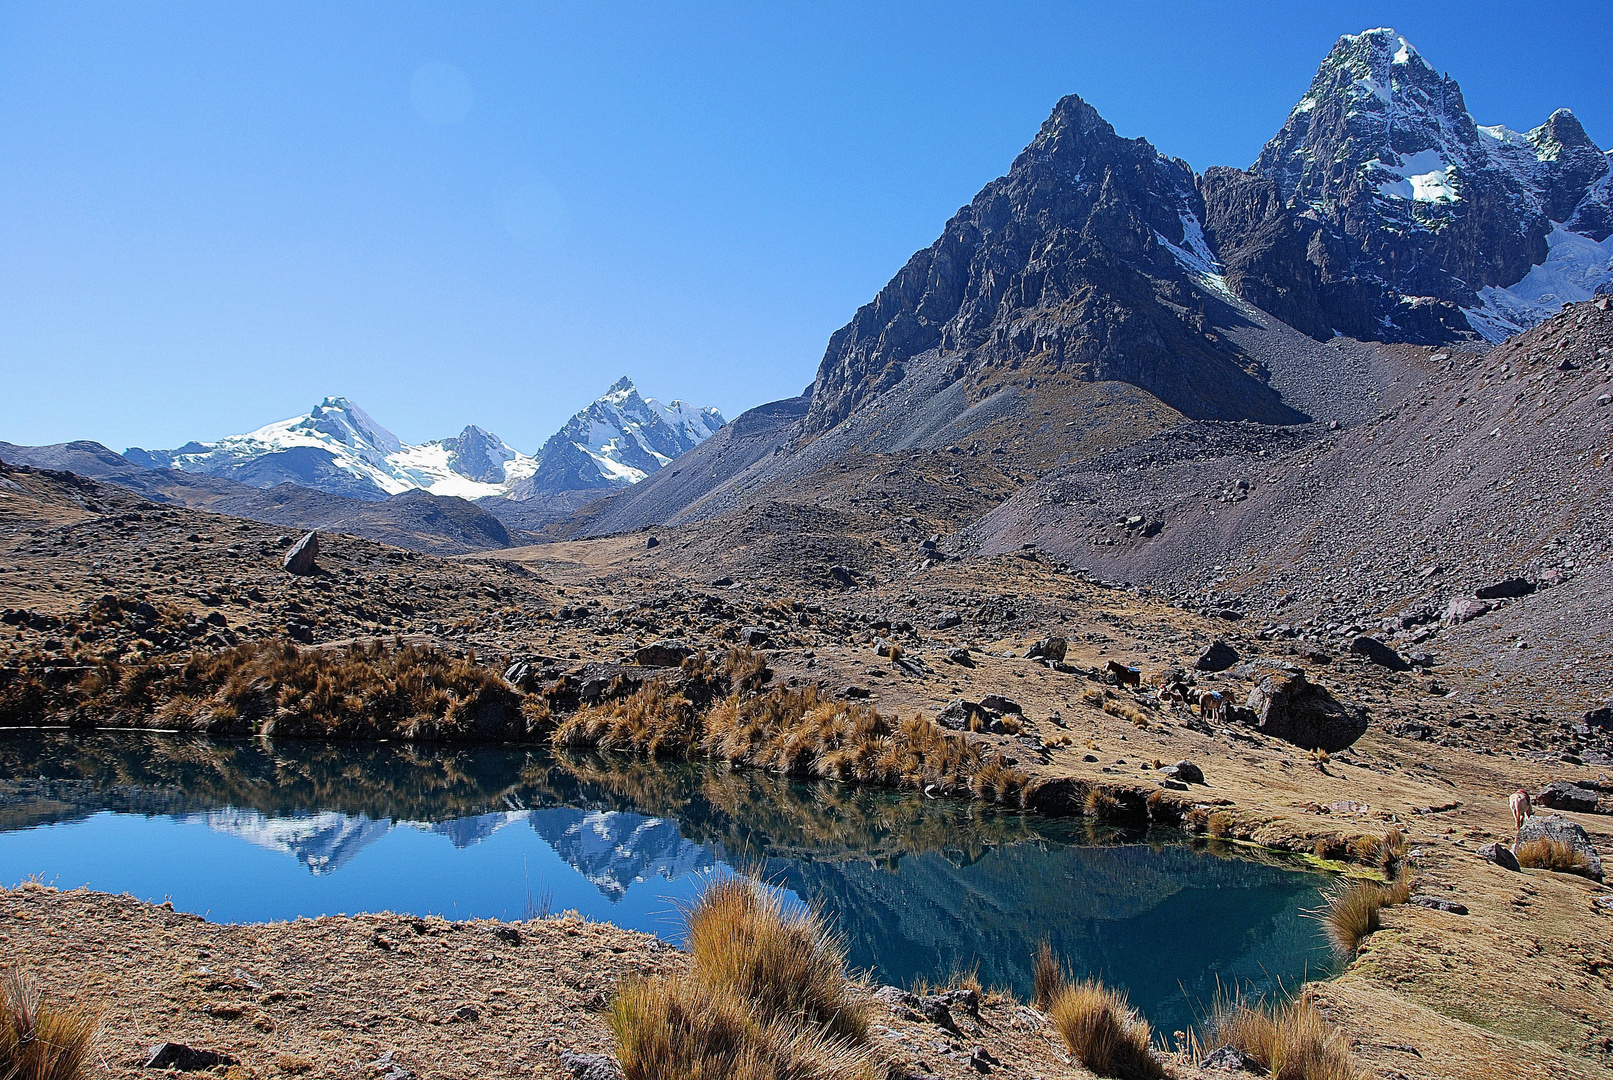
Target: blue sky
column 213, row 215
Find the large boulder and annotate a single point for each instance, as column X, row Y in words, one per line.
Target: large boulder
column 1379, row 653
column 1218, row 657
column 1562, row 795
column 1465, row 609
column 1051, row 647
column 300, row 559
column 1568, row 833
column 1505, row 589
column 668, row 653
column 1288, row 707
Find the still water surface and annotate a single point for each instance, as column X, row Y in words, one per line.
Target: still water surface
column 249, row 830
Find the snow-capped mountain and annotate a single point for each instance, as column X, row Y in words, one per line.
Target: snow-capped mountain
column 322, row 841
column 1416, row 211
column 616, row 441
column 615, row 848
column 338, row 448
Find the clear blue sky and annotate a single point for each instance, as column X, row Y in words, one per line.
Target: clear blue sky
column 214, row 214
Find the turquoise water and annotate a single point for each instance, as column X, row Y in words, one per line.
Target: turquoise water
column 245, row 831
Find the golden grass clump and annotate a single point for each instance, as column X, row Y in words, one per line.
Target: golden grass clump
column 366, row 690
column 654, row 720
column 766, row 997
column 745, row 668
column 38, row 1040
column 1548, row 854
column 1103, row 1032
column 1094, row 697
column 1100, row 803
column 1047, row 975
column 1291, row 1040
column 1220, row 823
column 783, row 960
column 683, row 1029
column 1126, row 711
column 1350, row 911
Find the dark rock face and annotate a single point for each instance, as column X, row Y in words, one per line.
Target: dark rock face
column 170, row 1055
column 478, row 455
column 1379, row 653
column 1381, row 208
column 1287, row 707
column 1563, row 831
column 1073, row 266
column 1051, row 647
column 1507, row 588
column 1185, row 771
column 662, row 654
column 300, row 559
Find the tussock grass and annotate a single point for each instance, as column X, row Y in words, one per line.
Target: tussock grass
column 1548, row 854
column 767, row 997
column 1350, row 911
column 1103, row 1032
column 654, row 720
column 367, row 690
column 1047, row 975
column 1219, row 824
column 682, row 1029
column 784, row 961
column 1126, row 711
column 38, row 1040
column 1290, row 1040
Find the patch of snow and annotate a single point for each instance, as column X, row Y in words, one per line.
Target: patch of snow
column 1421, row 177
column 1197, row 258
column 1575, row 267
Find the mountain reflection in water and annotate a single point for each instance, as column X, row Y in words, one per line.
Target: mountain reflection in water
column 921, row 888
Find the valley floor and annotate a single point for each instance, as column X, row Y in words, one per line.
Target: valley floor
column 1520, row 986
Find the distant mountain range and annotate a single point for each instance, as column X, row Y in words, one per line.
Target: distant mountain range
column 338, row 448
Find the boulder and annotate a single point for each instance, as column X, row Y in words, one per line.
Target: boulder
column 1185, row 771
column 1218, row 657
column 172, row 1055
column 1379, row 653
column 591, row 1066
column 945, row 620
column 996, row 703
column 1049, row 648
column 1287, row 707
column 1231, row 1059
column 756, row 637
column 668, row 653
column 1562, row 795
column 1505, row 589
column 722, row 582
column 522, row 675
column 1439, row 904
column 960, row 656
column 1465, row 609
column 844, row 575
column 300, row 559
column 1560, row 829
column 1600, row 718
column 956, row 714
column 652, row 542
column 1501, row 855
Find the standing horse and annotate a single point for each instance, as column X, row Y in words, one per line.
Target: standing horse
column 1124, row 676
column 1212, row 705
column 1521, row 808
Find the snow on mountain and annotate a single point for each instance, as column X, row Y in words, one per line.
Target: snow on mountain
column 339, row 448
column 1421, row 200
column 617, row 440
column 322, row 841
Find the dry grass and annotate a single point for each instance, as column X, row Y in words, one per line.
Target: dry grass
column 367, row 690
column 1220, row 823
column 682, row 1029
column 1126, row 711
column 784, row 961
column 1548, row 854
column 1291, row 1041
column 1103, row 1033
column 654, row 720
column 39, row 1041
column 1350, row 911
column 1047, row 975
column 767, row 997
column 1100, row 803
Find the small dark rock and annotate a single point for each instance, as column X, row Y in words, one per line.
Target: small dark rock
column 854, row 692
column 652, row 542
column 507, row 934
column 591, row 1066
column 1231, row 1059
column 1438, row 904
column 300, row 559
column 1379, row 653
column 171, row 1055
column 1501, row 855
column 1218, row 657
column 1051, row 647
column 996, row 703
column 945, row 620
column 467, row 1013
column 956, row 715
column 1185, row 771
column 1505, row 589
column 961, row 657
column 722, row 583
column 668, row 653
column 843, row 574
column 756, row 637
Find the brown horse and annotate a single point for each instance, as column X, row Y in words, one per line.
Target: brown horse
column 1125, row 676
column 1212, row 705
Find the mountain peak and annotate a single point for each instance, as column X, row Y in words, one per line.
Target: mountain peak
column 621, row 386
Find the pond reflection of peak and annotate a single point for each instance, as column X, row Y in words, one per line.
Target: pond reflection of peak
column 614, row 848
column 611, row 848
